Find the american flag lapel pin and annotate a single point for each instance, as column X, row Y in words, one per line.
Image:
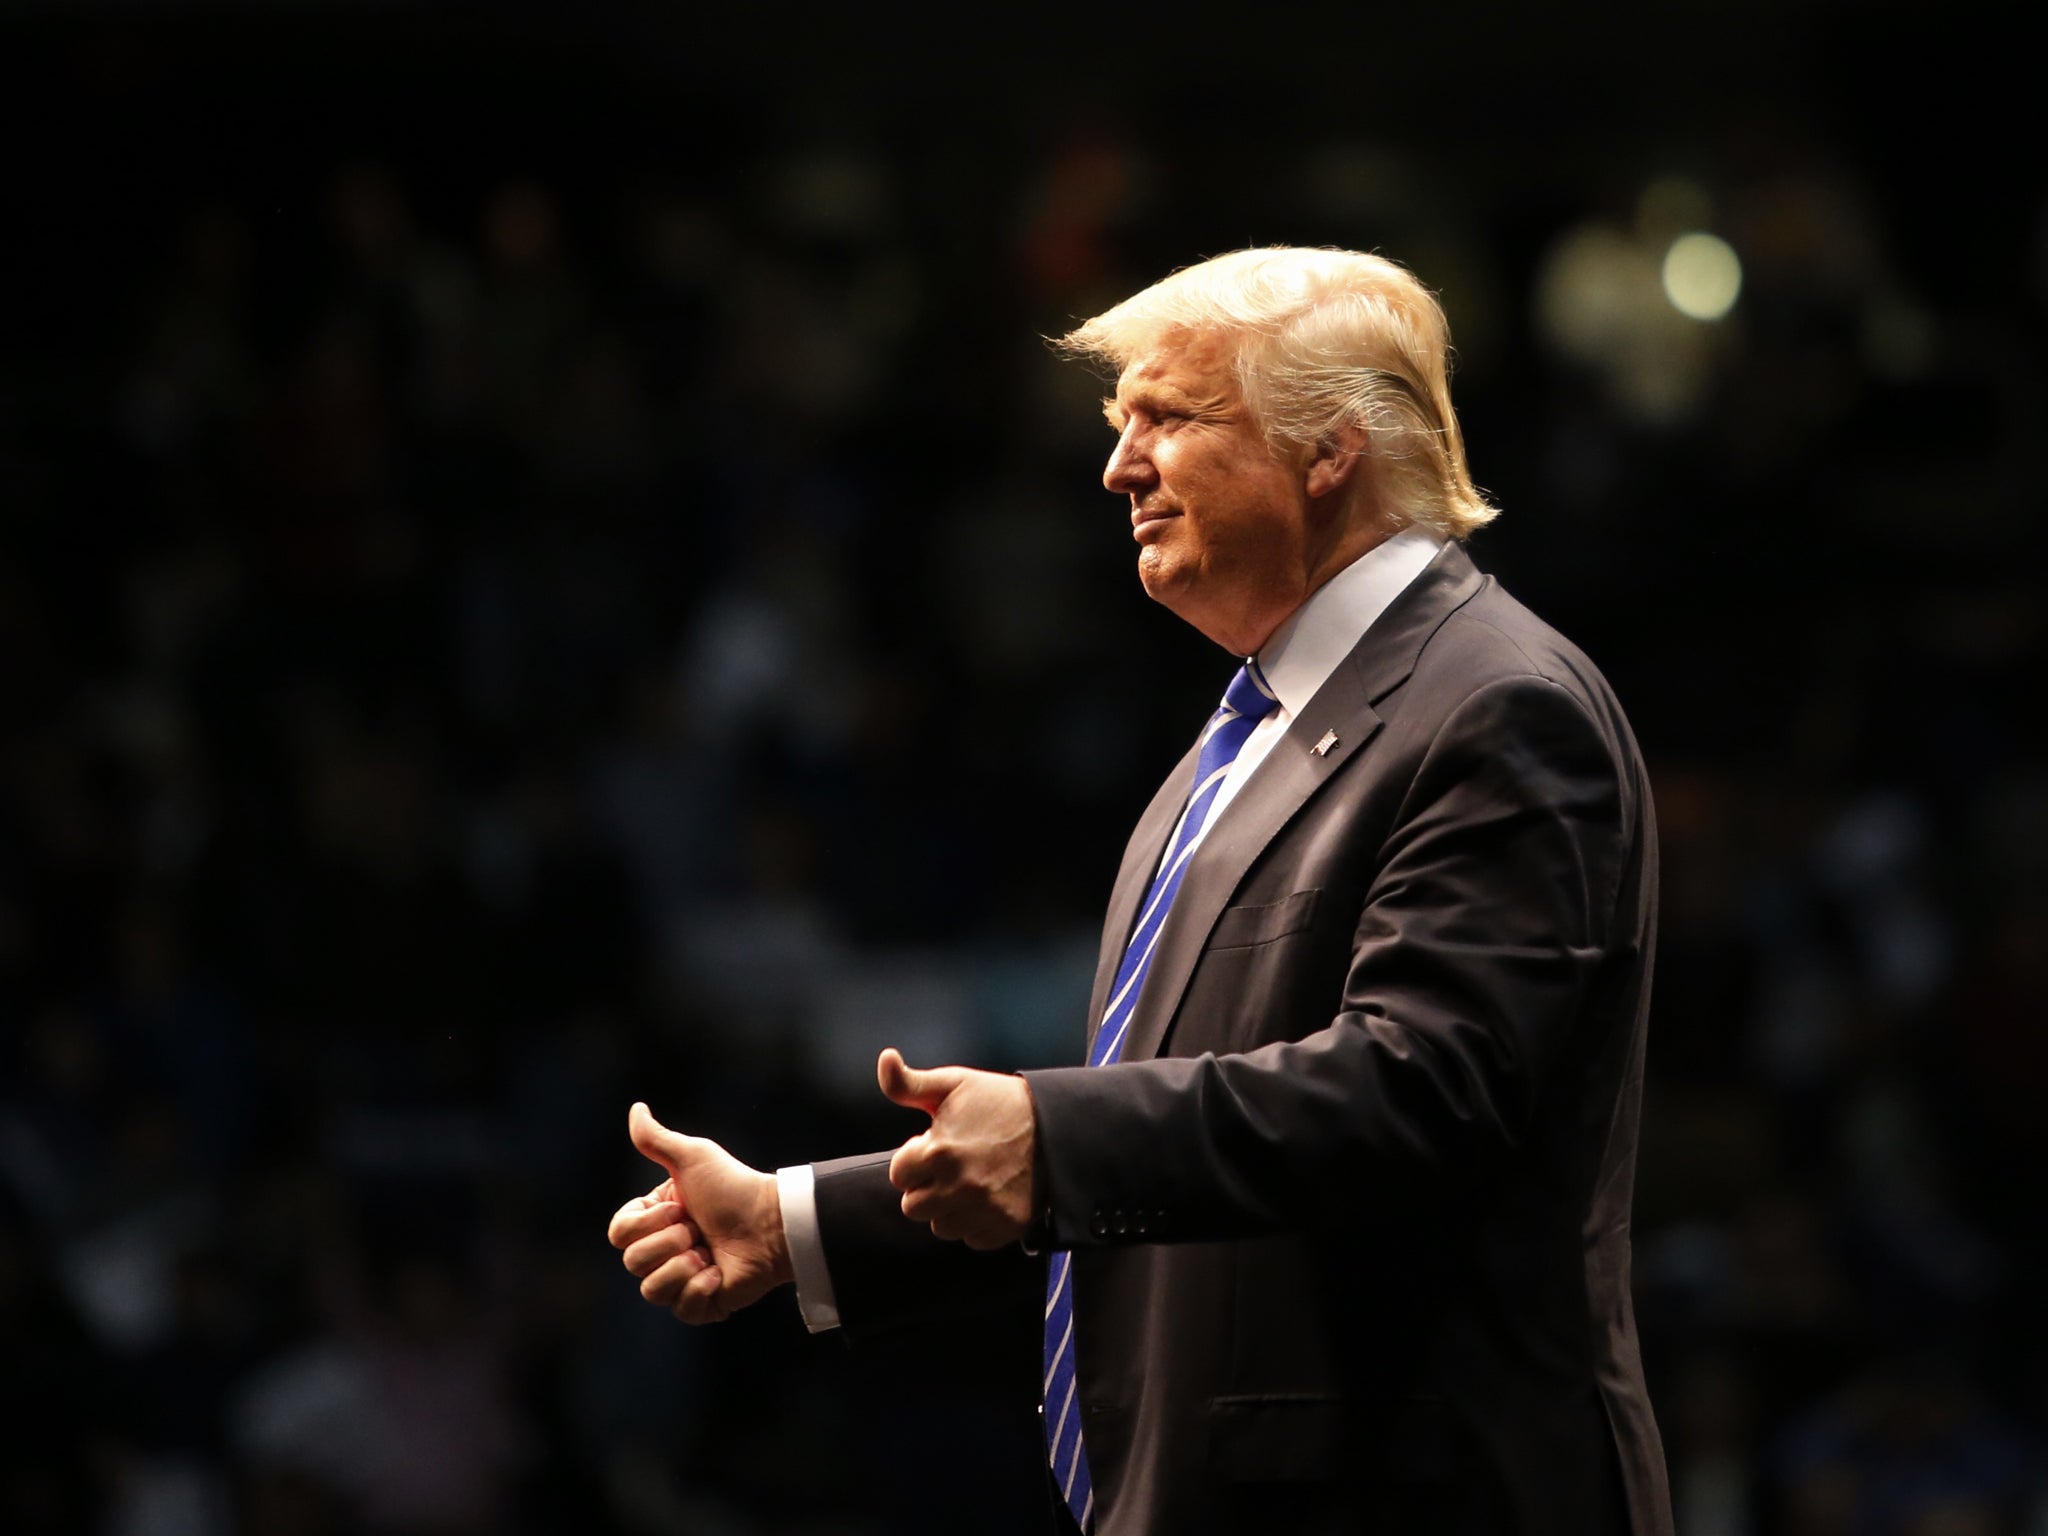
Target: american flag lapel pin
column 1329, row 740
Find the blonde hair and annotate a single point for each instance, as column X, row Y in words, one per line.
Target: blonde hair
column 1324, row 339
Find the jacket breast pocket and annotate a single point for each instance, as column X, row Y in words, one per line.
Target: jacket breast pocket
column 1268, row 971
column 1247, row 927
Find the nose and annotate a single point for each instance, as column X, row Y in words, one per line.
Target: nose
column 1129, row 471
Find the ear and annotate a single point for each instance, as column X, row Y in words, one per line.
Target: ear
column 1338, row 461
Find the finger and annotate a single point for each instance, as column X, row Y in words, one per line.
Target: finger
column 635, row 1219
column 644, row 1257
column 916, row 1163
column 650, row 1253
column 657, row 1143
column 905, row 1085
column 665, row 1285
column 990, row 1230
column 703, row 1299
column 924, row 1203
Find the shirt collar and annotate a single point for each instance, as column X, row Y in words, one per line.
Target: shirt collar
column 1305, row 650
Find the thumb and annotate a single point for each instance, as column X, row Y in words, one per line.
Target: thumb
column 657, row 1143
column 904, row 1084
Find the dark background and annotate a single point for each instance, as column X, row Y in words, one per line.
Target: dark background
column 543, row 562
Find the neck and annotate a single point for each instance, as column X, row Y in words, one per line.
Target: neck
column 1247, row 633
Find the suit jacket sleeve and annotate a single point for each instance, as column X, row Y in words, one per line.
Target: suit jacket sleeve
column 890, row 1273
column 1485, row 934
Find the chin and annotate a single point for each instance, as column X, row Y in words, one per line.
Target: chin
column 1168, row 586
column 1161, row 567
column 1158, row 578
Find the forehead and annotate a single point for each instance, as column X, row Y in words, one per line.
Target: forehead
column 1181, row 362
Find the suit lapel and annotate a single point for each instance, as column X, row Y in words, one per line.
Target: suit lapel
column 1141, row 861
column 1279, row 787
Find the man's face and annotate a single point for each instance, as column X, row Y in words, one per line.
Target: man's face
column 1223, row 527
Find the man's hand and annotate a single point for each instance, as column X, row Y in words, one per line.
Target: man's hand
column 708, row 1239
column 970, row 1175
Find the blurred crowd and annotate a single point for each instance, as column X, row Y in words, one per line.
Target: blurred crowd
column 482, row 647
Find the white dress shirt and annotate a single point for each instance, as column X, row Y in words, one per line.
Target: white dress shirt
column 1297, row 660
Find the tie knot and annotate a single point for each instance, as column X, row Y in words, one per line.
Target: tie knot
column 1249, row 694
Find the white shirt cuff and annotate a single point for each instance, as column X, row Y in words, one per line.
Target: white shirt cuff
column 814, row 1297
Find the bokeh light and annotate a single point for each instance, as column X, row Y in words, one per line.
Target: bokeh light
column 1702, row 275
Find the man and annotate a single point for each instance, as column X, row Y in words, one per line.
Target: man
column 1338, row 1211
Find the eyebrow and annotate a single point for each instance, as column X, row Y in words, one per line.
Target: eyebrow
column 1149, row 392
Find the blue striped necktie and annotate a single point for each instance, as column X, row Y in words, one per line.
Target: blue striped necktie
column 1246, row 702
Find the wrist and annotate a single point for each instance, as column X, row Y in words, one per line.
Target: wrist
column 1038, row 1228
column 781, row 1268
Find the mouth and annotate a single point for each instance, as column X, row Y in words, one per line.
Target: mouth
column 1143, row 519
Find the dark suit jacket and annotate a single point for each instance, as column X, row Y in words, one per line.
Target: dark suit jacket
column 1351, row 1217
